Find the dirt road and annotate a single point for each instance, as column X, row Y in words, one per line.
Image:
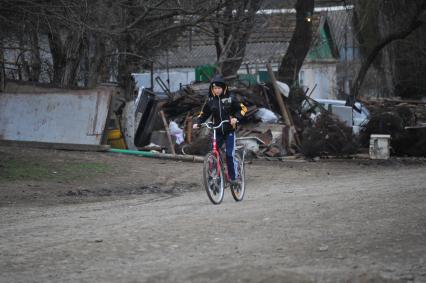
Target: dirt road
column 132, row 219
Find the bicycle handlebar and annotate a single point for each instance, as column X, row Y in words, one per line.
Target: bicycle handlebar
column 207, row 125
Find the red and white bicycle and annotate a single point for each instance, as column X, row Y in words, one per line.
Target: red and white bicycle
column 215, row 177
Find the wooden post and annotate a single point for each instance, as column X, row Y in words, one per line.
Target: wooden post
column 166, row 126
column 188, row 128
column 278, row 96
column 265, row 94
column 284, row 111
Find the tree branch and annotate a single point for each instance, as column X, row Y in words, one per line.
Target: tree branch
column 414, row 24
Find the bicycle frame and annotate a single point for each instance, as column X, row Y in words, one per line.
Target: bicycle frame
column 215, row 149
column 214, row 182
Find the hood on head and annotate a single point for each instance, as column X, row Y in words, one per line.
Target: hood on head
column 218, row 81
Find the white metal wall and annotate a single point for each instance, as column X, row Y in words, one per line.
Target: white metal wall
column 324, row 75
column 77, row 117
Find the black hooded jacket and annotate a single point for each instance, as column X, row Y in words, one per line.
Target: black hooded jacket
column 221, row 107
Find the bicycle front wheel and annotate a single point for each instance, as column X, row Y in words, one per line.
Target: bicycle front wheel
column 213, row 178
column 239, row 190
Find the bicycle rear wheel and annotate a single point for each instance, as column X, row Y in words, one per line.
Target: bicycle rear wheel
column 213, row 179
column 239, row 190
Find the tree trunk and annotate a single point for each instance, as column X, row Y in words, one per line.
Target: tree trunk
column 299, row 43
column 236, row 55
column 2, row 69
column 96, row 68
column 73, row 50
column 58, row 57
column 35, row 71
column 231, row 38
column 66, row 57
column 415, row 23
column 24, row 70
column 126, row 67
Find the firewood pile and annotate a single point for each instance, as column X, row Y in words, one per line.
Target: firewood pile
column 328, row 136
column 404, row 120
column 412, row 111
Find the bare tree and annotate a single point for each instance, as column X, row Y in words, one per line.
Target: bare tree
column 21, row 30
column 403, row 23
column 93, row 41
column 232, row 28
column 300, row 43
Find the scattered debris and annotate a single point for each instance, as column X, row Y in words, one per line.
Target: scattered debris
column 279, row 123
column 263, row 132
column 329, row 136
column 323, row 248
column 405, row 121
column 266, row 115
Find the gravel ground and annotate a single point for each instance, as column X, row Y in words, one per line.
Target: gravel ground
column 102, row 217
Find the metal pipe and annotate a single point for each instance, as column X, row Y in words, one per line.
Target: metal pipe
column 192, row 158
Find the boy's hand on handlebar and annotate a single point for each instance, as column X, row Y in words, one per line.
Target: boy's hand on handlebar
column 195, row 126
column 234, row 122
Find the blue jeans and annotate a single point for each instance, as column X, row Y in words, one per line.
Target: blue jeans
column 229, row 140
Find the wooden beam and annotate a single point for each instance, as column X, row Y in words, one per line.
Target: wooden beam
column 169, row 137
column 288, row 120
column 278, row 96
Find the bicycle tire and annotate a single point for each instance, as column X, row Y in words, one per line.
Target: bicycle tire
column 238, row 191
column 214, row 182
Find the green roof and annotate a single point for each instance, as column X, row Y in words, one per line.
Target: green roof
column 323, row 49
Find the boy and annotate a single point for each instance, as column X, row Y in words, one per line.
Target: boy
column 223, row 107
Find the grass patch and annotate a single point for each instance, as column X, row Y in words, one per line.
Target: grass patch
column 92, row 168
column 15, row 169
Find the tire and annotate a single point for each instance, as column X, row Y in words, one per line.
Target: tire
column 214, row 182
column 239, row 190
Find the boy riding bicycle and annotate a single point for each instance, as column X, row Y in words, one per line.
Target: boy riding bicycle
column 221, row 106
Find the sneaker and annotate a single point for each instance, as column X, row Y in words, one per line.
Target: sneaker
column 234, row 183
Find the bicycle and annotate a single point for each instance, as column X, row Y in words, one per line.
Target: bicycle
column 215, row 177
